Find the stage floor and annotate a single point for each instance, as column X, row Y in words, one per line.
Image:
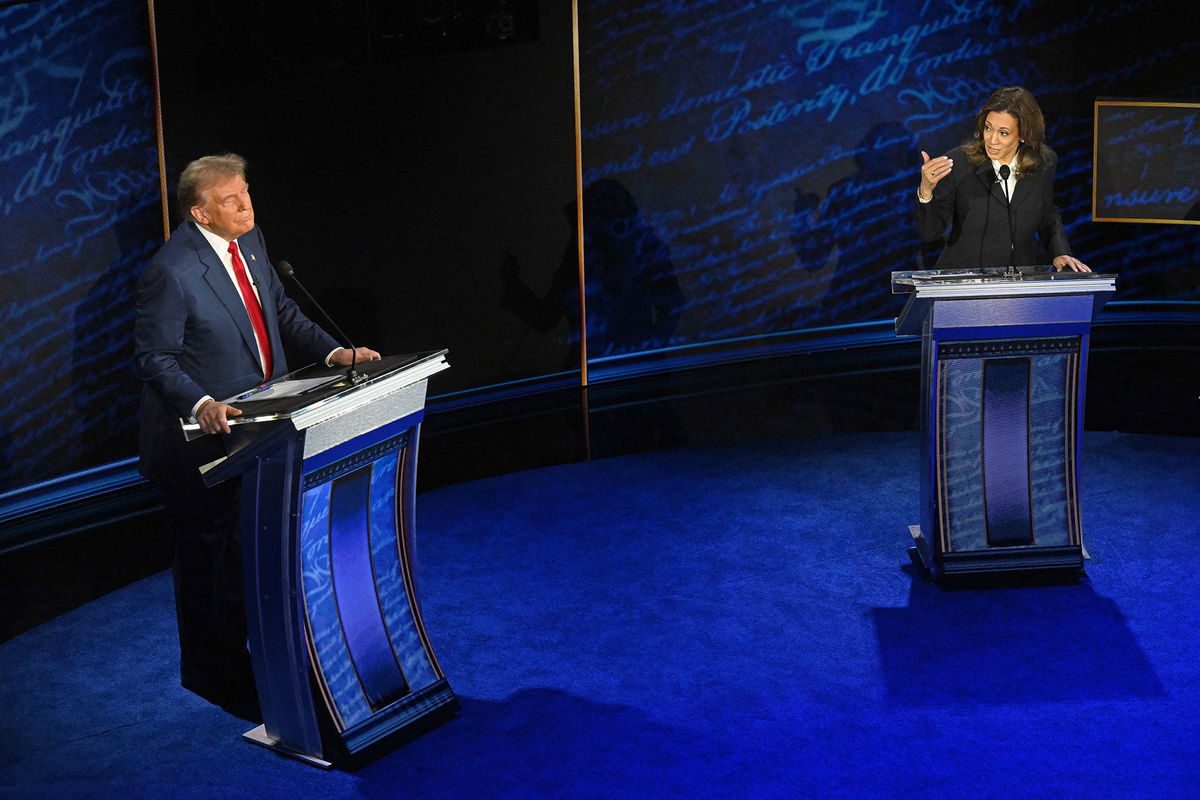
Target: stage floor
column 724, row 620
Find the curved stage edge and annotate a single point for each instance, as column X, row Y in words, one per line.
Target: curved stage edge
column 95, row 531
column 719, row 620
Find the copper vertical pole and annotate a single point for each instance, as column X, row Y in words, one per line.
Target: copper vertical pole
column 158, row 122
column 583, row 357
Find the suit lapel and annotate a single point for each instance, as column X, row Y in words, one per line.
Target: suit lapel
column 1025, row 187
column 987, row 176
column 227, row 294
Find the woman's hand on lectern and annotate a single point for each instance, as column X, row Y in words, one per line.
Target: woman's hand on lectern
column 1070, row 262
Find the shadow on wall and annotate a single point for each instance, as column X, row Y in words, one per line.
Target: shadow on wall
column 862, row 228
column 105, row 387
column 633, row 297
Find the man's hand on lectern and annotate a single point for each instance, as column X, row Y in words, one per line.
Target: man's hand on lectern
column 214, row 416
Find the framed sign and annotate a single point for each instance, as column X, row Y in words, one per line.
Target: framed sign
column 1146, row 162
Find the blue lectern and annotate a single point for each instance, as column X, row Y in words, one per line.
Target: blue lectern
column 1003, row 365
column 341, row 659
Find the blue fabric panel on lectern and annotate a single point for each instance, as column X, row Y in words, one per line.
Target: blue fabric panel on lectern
column 993, row 312
column 968, row 503
column 329, row 647
column 389, row 575
column 1006, row 451
column 1048, row 448
column 354, row 588
column 961, row 457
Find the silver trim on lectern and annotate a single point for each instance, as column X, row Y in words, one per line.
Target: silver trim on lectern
column 329, row 422
column 989, row 284
column 335, row 404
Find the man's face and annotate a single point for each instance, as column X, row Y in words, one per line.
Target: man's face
column 225, row 208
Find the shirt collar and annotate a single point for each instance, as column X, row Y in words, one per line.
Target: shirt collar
column 1012, row 166
column 219, row 243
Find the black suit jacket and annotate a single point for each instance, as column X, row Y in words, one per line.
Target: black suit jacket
column 970, row 202
column 193, row 337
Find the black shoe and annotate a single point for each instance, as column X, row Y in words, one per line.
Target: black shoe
column 241, row 703
column 247, row 710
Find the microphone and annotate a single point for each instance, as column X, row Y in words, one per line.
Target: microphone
column 285, row 270
column 987, row 217
column 1012, row 236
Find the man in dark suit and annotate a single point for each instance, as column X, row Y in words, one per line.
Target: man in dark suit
column 212, row 321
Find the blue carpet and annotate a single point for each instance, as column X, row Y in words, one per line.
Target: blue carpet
column 735, row 621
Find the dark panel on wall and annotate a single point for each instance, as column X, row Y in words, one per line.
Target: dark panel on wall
column 404, row 29
column 1147, row 164
column 79, row 210
column 403, row 183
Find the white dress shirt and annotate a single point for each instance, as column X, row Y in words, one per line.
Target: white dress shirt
column 1009, row 186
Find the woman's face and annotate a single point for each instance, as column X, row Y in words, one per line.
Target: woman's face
column 1001, row 135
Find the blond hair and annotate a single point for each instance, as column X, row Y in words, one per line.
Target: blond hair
column 203, row 173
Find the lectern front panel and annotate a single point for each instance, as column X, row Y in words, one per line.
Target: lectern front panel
column 365, row 638
column 1005, row 443
column 1003, row 362
column 342, row 662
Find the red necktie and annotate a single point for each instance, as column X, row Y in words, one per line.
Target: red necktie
column 252, row 308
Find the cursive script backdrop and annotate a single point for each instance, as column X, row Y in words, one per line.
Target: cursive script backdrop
column 79, row 213
column 749, row 170
column 754, row 164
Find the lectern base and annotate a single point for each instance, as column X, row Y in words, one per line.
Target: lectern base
column 1067, row 559
column 384, row 731
column 259, row 736
column 919, row 553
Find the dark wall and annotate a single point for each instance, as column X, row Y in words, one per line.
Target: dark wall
column 392, row 165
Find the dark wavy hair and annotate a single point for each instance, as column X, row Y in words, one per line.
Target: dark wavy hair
column 1031, row 127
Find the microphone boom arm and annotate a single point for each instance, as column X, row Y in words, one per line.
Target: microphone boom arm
column 352, row 374
column 1012, row 235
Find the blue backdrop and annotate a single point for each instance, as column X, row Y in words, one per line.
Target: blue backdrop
column 749, row 169
column 79, row 210
column 766, row 153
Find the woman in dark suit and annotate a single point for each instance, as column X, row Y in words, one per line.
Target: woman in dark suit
column 1004, row 172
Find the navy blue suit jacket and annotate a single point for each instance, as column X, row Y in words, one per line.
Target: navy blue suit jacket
column 193, row 338
column 970, row 201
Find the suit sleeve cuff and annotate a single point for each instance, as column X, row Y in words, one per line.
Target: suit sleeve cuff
column 199, row 403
